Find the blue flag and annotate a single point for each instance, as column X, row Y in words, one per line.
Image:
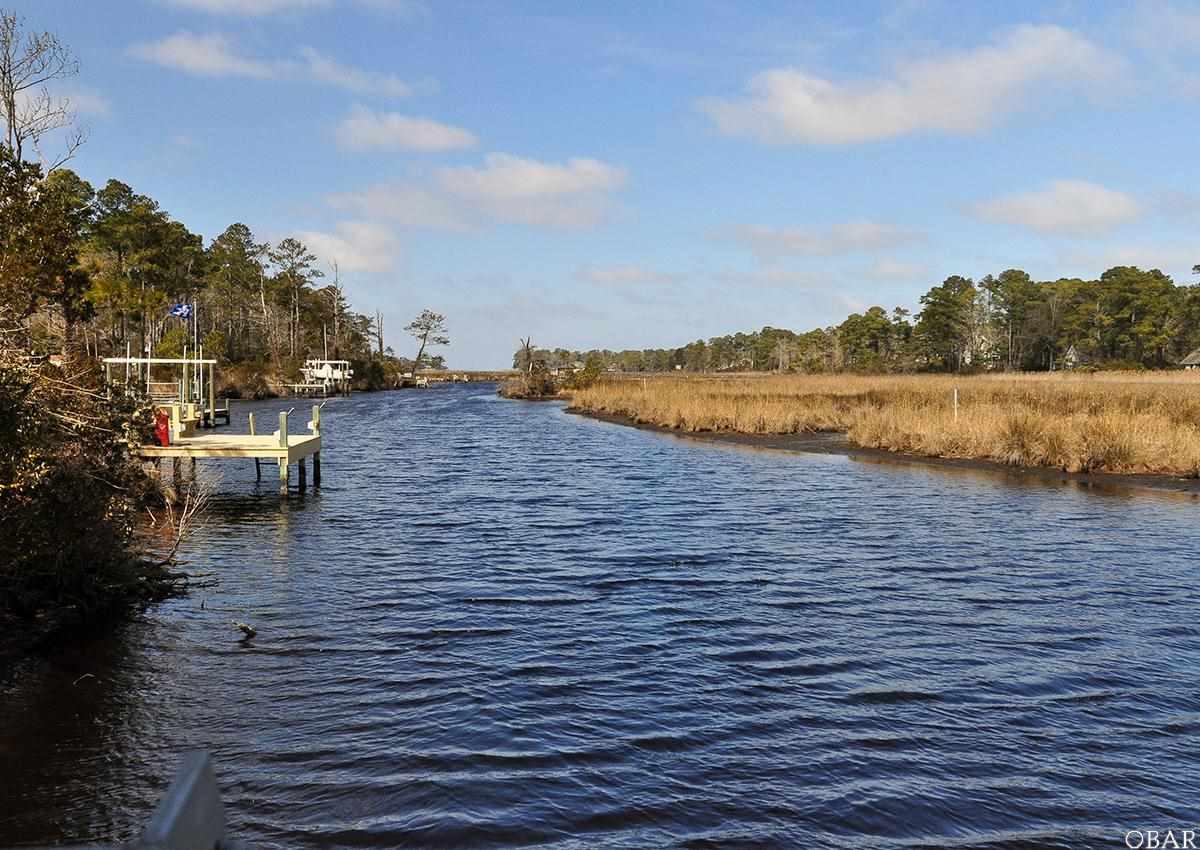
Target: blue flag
column 183, row 311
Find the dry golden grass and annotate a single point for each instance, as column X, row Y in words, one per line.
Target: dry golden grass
column 1122, row 422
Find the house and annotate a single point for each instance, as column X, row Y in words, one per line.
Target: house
column 1072, row 358
column 1192, row 361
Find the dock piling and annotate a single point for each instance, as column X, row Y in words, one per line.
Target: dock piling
column 257, row 462
column 315, row 426
column 302, row 469
column 283, row 459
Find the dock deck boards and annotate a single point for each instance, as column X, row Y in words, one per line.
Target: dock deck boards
column 282, row 447
column 236, row 445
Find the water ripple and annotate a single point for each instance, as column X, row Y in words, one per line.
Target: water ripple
column 499, row 625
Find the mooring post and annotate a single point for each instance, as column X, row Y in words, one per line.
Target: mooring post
column 316, row 429
column 283, row 458
column 212, row 394
column 257, row 462
column 303, row 474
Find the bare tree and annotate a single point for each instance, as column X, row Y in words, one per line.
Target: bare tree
column 525, row 357
column 429, row 328
column 338, row 298
column 783, row 356
column 28, row 63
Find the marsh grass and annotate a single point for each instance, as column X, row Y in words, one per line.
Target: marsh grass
column 1123, row 422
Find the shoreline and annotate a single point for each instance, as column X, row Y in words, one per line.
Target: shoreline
column 836, row 443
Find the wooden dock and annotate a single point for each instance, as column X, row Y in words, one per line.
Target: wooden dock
column 282, row 447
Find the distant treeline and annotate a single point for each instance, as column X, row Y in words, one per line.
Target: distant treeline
column 102, row 270
column 1129, row 318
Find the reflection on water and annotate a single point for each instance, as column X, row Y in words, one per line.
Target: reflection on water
column 498, row 625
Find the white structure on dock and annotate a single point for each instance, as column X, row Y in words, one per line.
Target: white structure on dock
column 324, row 378
column 191, row 381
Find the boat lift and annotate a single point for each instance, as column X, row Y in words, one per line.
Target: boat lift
column 323, row 378
column 192, row 384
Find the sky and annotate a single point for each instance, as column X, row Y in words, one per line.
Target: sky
column 635, row 175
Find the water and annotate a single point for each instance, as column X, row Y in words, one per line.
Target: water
column 501, row 625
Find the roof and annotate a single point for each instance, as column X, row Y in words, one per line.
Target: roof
column 1192, row 359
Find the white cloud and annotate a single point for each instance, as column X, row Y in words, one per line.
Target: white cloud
column 259, row 8
column 517, row 190
column 249, row 8
column 505, row 189
column 211, row 55
column 365, row 129
column 89, row 103
column 216, row 55
column 889, row 269
column 627, row 275
column 407, row 206
column 771, row 277
column 1176, row 259
column 507, row 177
column 356, row 246
column 960, row 92
column 1164, row 26
column 847, row 238
column 327, row 70
column 1068, row 207
column 79, row 101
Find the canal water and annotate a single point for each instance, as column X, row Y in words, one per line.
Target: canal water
column 499, row 625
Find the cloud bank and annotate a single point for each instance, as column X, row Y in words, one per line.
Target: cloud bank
column 1064, row 207
column 959, row 92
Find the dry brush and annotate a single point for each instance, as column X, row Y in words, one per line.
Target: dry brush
column 1103, row 422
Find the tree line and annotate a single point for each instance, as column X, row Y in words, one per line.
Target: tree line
column 102, row 268
column 1127, row 318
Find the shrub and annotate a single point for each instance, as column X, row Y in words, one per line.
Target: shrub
column 65, row 452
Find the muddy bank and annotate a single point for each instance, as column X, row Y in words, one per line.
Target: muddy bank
column 827, row 442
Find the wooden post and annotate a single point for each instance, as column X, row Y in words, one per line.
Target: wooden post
column 283, row 458
column 956, row 404
column 212, row 395
column 257, row 462
column 303, row 474
column 316, row 429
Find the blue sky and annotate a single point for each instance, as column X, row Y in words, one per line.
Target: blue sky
column 645, row 174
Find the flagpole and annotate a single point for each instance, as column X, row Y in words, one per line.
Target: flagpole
column 195, row 339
